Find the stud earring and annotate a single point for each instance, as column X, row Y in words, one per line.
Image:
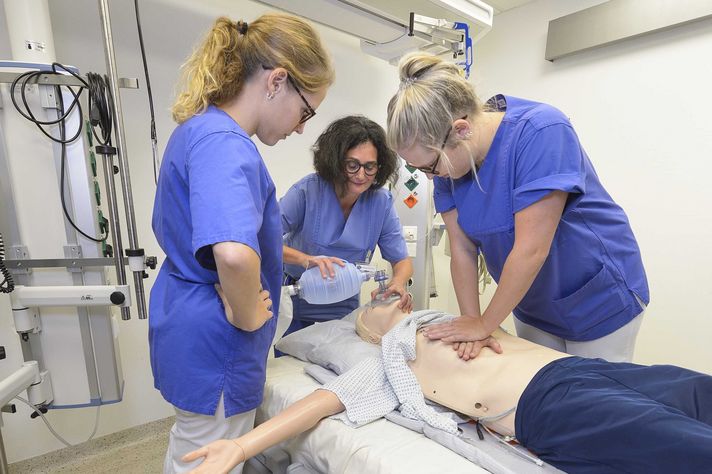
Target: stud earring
column 270, row 95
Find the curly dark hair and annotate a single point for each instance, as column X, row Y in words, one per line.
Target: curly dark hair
column 344, row 134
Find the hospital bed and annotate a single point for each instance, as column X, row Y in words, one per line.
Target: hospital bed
column 332, row 447
column 378, row 447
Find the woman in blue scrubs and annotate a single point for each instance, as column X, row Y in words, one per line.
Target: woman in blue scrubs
column 217, row 219
column 514, row 184
column 341, row 212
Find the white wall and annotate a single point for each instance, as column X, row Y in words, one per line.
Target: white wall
column 641, row 109
column 635, row 107
column 170, row 29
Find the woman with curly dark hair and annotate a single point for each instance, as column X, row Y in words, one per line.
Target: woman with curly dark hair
column 341, row 212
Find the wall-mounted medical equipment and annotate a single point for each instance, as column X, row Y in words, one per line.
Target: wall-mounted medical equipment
column 413, row 197
column 388, row 30
column 61, row 144
column 346, row 282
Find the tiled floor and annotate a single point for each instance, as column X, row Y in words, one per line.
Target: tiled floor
column 136, row 450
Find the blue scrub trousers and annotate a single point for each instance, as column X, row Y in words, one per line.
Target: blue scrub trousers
column 592, row 416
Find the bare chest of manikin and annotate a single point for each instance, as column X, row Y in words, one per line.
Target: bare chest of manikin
column 482, row 387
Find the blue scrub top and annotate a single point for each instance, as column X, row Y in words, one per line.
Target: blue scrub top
column 588, row 284
column 213, row 187
column 313, row 223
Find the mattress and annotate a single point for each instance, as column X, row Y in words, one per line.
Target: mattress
column 333, row 447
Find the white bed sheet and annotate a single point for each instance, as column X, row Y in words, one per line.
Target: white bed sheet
column 333, row 447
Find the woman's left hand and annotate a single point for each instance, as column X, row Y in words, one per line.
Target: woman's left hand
column 470, row 350
column 395, row 288
column 462, row 329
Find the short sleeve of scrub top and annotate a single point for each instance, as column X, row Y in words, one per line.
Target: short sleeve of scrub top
column 220, row 186
column 391, row 241
column 293, row 206
column 548, row 158
column 442, row 194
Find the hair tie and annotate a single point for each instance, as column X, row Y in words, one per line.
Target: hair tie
column 242, row 27
column 408, row 81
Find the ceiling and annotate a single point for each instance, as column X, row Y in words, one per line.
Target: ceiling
column 504, row 5
column 402, row 8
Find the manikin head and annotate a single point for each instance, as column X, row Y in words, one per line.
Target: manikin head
column 374, row 321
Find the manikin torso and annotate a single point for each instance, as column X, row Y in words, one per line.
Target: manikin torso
column 475, row 387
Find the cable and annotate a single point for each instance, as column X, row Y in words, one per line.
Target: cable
column 101, row 107
column 56, row 435
column 101, row 111
column 519, row 452
column 62, row 167
column 8, row 284
column 154, row 139
column 29, row 115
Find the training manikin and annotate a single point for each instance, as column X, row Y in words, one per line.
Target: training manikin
column 476, row 387
column 580, row 415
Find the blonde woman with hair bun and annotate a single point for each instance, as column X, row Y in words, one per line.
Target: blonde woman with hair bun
column 218, row 221
column 514, row 184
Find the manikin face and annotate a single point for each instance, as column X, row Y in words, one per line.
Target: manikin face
column 366, row 155
column 375, row 321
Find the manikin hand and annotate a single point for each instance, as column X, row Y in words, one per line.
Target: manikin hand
column 395, row 288
column 220, row 457
column 325, row 264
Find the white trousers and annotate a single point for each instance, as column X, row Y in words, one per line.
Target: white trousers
column 192, row 431
column 617, row 346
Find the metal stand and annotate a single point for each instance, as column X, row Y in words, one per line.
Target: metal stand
column 123, row 159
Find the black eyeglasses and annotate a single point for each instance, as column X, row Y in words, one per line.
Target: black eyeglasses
column 353, row 166
column 310, row 112
column 432, row 167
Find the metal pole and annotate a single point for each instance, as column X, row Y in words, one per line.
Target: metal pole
column 115, row 226
column 121, row 145
column 3, row 458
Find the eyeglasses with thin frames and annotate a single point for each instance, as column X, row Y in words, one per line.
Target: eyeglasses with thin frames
column 310, row 112
column 432, row 167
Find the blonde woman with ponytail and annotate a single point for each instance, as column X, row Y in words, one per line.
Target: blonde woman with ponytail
column 218, row 222
column 514, row 184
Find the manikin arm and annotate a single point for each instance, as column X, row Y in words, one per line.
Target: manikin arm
column 222, row 455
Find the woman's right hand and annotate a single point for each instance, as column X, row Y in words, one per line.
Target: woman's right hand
column 325, row 264
column 220, row 456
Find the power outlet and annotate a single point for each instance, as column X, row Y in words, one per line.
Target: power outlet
column 410, row 233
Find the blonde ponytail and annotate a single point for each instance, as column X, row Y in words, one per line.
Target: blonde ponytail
column 233, row 51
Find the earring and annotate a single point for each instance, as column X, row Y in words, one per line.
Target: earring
column 270, row 95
